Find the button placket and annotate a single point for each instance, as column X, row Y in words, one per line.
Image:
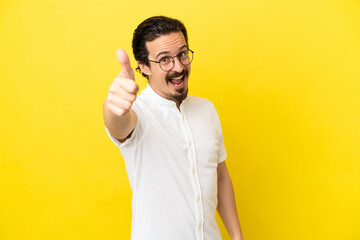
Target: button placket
column 194, row 180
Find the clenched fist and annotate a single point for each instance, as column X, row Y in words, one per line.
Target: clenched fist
column 123, row 90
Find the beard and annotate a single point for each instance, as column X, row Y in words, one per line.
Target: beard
column 182, row 93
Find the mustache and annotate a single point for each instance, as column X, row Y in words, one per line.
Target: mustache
column 176, row 74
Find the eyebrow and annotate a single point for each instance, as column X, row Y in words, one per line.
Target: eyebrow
column 166, row 52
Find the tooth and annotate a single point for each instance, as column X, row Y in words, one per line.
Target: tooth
column 178, row 77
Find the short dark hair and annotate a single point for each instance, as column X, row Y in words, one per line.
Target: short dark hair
column 149, row 30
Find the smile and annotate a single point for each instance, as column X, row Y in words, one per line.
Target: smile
column 178, row 81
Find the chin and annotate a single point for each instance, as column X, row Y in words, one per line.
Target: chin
column 181, row 96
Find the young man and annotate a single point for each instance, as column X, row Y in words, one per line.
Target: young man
column 172, row 143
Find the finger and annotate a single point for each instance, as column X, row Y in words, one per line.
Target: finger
column 119, row 103
column 119, row 93
column 116, row 110
column 124, row 61
column 126, row 84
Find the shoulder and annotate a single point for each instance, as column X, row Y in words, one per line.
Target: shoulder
column 199, row 102
column 191, row 98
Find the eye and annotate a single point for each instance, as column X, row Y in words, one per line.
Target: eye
column 165, row 59
column 183, row 54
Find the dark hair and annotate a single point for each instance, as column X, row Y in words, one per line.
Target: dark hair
column 149, row 30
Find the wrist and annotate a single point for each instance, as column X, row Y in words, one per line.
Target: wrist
column 237, row 237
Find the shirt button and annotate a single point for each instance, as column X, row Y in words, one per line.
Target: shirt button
column 190, row 144
column 193, row 171
column 199, row 226
column 198, row 198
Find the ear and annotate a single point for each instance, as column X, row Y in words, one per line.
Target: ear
column 144, row 68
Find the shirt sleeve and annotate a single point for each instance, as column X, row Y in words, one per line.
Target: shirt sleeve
column 134, row 134
column 222, row 151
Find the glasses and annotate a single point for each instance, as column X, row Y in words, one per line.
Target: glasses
column 167, row 63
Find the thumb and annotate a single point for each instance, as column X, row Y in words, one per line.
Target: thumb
column 124, row 61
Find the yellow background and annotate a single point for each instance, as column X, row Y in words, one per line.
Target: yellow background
column 284, row 76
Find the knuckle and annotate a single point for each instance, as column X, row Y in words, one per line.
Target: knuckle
column 127, row 106
column 117, row 80
column 132, row 98
column 112, row 88
column 134, row 87
column 118, row 112
column 110, row 98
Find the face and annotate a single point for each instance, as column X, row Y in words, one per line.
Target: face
column 172, row 85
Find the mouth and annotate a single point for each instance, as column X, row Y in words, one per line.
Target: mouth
column 178, row 80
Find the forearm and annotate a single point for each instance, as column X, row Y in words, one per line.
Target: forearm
column 227, row 207
column 119, row 126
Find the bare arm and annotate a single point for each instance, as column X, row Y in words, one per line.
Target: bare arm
column 119, row 118
column 120, row 127
column 226, row 203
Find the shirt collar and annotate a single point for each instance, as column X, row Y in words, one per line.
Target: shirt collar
column 149, row 93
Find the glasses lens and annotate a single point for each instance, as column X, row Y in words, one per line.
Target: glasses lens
column 166, row 63
column 186, row 57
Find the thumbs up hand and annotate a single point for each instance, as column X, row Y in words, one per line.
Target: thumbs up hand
column 123, row 90
column 124, row 61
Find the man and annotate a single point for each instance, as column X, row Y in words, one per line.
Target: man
column 172, row 143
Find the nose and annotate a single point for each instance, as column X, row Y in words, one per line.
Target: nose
column 178, row 66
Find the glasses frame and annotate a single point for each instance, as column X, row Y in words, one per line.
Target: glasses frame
column 173, row 62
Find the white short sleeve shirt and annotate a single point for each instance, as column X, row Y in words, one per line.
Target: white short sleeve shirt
column 171, row 160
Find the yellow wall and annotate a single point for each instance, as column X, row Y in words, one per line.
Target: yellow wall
column 284, row 76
